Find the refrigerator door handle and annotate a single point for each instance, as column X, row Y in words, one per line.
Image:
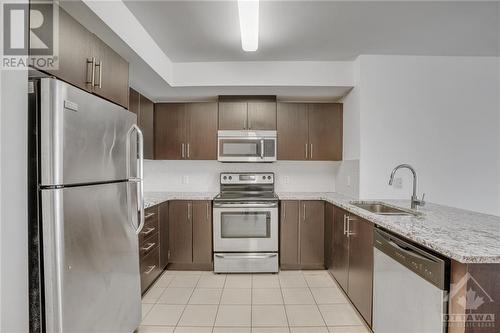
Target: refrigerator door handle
column 140, row 172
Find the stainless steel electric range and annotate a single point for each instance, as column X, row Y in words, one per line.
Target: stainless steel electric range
column 245, row 230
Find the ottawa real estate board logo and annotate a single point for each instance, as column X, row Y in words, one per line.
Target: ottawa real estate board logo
column 30, row 35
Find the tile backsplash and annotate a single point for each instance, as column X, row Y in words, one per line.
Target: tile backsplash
column 194, row 176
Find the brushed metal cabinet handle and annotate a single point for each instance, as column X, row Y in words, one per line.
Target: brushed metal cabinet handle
column 149, row 247
column 311, row 151
column 148, row 231
column 151, row 268
column 304, row 212
column 188, row 150
column 183, row 153
column 99, row 64
column 149, row 215
column 345, row 224
column 189, row 211
column 91, row 62
column 306, row 152
column 283, row 208
column 208, row 212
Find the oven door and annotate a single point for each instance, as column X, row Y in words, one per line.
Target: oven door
column 240, row 227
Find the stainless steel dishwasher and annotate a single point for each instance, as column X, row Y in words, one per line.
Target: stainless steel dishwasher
column 409, row 287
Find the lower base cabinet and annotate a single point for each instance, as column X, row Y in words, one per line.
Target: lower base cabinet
column 149, row 248
column 190, row 234
column 302, row 234
column 352, row 259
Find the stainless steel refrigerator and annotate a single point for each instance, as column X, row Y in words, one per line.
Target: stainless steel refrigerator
column 85, row 213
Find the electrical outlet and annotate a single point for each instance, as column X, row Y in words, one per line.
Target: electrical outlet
column 398, row 183
column 286, row 180
column 185, row 179
column 349, row 181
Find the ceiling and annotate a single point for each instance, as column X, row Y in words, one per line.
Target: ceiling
column 195, row 31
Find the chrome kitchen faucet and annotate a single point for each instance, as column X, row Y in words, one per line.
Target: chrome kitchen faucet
column 415, row 201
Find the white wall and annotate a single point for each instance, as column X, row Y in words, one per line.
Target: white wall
column 13, row 202
column 204, row 175
column 439, row 114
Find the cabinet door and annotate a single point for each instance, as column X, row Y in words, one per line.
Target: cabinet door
column 170, row 131
column 180, row 232
column 325, row 131
column 289, row 233
column 111, row 74
column 340, row 249
column 74, row 50
column 262, row 115
column 202, row 143
column 292, row 131
column 232, row 115
column 146, row 123
column 163, row 221
column 312, row 237
column 361, row 265
column 202, row 232
column 328, row 234
column 133, row 102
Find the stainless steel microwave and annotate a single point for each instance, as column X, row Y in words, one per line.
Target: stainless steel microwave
column 246, row 146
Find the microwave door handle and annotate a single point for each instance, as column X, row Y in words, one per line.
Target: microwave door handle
column 262, row 149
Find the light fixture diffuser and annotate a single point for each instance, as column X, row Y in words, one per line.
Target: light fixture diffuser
column 248, row 11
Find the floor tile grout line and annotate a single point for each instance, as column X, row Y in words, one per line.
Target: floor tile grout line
column 317, row 306
column 183, row 310
column 220, row 300
column 284, row 305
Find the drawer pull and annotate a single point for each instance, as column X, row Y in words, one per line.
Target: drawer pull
column 149, row 247
column 151, row 268
column 148, row 231
column 149, row 215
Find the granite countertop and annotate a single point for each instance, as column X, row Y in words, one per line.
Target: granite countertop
column 155, row 198
column 462, row 235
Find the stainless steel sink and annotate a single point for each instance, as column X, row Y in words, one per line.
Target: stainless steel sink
column 381, row 208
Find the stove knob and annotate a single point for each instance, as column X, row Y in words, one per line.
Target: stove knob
column 263, row 177
column 269, row 177
column 224, row 177
column 230, row 177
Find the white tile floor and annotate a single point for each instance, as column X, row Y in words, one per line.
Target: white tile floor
column 291, row 302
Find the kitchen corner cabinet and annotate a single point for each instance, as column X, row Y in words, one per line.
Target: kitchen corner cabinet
column 239, row 113
column 144, row 109
column 352, row 259
column 190, row 234
column 302, row 234
column 309, row 131
column 185, row 131
column 88, row 63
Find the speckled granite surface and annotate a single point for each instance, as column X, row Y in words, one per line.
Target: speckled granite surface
column 154, row 198
column 465, row 236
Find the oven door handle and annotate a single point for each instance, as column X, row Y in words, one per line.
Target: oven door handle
column 245, row 205
column 252, row 256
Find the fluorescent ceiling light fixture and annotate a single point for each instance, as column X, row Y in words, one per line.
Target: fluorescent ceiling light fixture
column 248, row 11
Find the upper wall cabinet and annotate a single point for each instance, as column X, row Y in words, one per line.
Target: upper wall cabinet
column 144, row 108
column 88, row 63
column 247, row 113
column 309, row 131
column 185, row 131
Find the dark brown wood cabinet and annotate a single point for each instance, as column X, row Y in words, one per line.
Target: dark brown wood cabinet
column 352, row 259
column 360, row 286
column 289, row 234
column 163, row 226
column 340, row 249
column 144, row 109
column 247, row 113
column 88, row 63
column 302, row 234
column 190, row 234
column 202, row 232
column 149, row 248
column 185, row 131
column 180, row 232
column 309, row 131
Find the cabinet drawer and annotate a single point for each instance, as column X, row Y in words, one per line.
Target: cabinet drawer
column 150, row 223
column 149, row 244
column 150, row 268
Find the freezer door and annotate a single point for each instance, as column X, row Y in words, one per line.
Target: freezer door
column 83, row 138
column 91, row 258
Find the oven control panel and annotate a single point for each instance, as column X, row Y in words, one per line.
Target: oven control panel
column 247, row 178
